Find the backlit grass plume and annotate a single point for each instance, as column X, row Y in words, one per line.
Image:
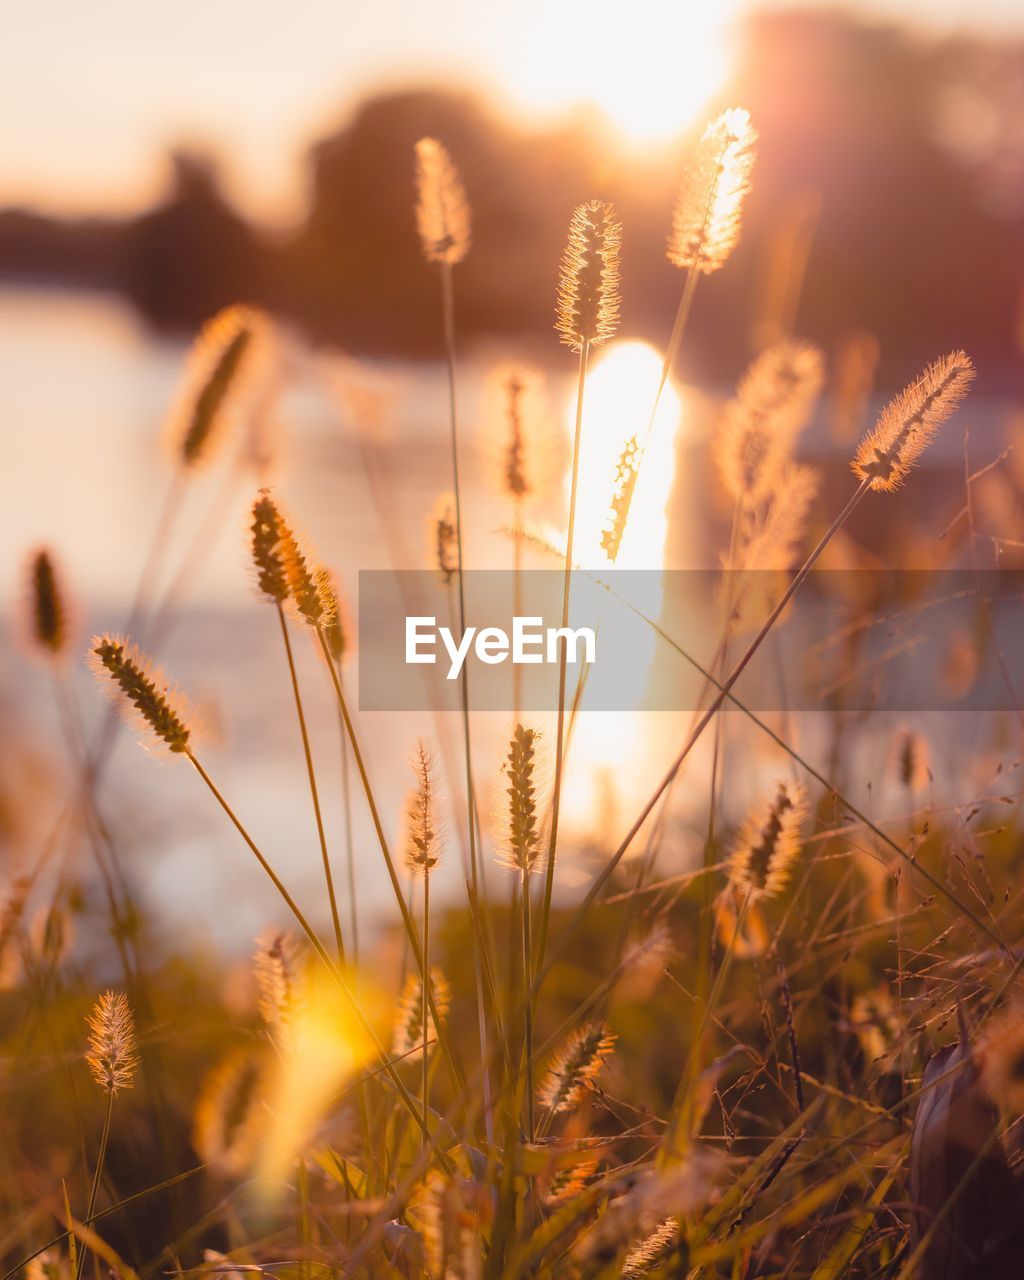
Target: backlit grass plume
column 520, row 847
column 909, row 422
column 142, row 688
column 575, row 1068
column 587, row 311
column 762, row 859
column 280, row 969
column 422, row 816
column 626, row 471
column 408, row 1038
column 771, row 407
column 48, row 611
column 112, row 1058
column 443, row 532
column 442, row 210
column 309, row 587
column 708, row 210
column 223, row 357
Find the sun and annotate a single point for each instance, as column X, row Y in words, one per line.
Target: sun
column 652, row 71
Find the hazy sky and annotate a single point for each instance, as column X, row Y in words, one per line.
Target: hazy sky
column 92, row 94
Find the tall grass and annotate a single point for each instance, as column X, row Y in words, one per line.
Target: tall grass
column 720, row 1072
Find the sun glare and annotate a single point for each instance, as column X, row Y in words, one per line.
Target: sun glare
column 623, row 381
column 652, row 73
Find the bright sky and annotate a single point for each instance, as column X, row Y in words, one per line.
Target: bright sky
column 92, row 94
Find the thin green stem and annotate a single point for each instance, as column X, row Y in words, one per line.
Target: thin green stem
column 311, row 774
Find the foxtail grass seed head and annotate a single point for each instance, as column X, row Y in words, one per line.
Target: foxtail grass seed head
column 768, row 844
column 423, row 822
column 143, row 688
column 227, row 1119
column 442, row 210
column 111, row 1057
column 280, row 969
column 223, row 357
column 309, row 588
column 908, row 423
column 587, row 311
column 521, row 849
column 575, row 1068
column 267, row 556
column 407, row 1041
column 444, row 537
column 49, row 619
column 567, row 1183
column 626, row 471
column 911, row 759
column 517, row 431
column 772, row 405
column 708, row 211
column 648, row 1253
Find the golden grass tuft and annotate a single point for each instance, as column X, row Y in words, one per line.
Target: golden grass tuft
column 575, row 1068
column 908, row 423
column 112, row 1058
column 708, row 212
column 442, row 210
column 646, row 1254
column 227, row 1116
column 587, row 312
column 768, row 844
column 143, row 688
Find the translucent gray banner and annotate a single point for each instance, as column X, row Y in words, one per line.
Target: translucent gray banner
column 853, row 640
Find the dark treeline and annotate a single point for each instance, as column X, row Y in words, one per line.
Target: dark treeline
column 902, row 157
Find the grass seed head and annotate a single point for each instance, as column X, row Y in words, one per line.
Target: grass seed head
column 768, row 844
column 587, row 312
column 423, row 821
column 407, row 1040
column 708, row 211
column 225, row 355
column 444, row 537
column 48, row 614
column 771, row 407
column 280, row 968
column 142, row 688
column 648, row 1253
column 517, row 431
column 626, row 471
column 112, row 1058
column 227, row 1118
column 442, row 210
column 520, row 848
column 267, row 556
column 575, row 1068
column 908, row 423
column 1002, row 1061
